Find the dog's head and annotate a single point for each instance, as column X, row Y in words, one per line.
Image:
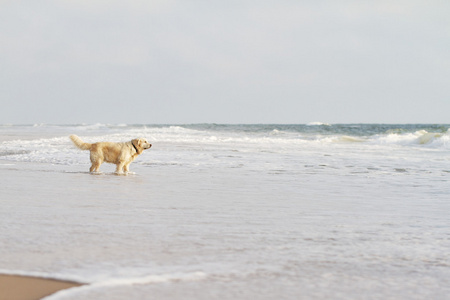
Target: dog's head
column 141, row 144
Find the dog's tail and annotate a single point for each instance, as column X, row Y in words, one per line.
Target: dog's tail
column 79, row 143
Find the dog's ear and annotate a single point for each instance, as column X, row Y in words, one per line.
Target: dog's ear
column 137, row 145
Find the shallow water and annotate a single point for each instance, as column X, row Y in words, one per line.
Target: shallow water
column 232, row 212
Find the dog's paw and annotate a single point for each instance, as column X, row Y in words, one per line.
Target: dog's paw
column 96, row 173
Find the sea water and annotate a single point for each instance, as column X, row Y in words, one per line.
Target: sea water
column 316, row 211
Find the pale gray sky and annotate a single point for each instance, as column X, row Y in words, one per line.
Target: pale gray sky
column 108, row 61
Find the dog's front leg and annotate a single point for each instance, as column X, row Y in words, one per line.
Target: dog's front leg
column 119, row 167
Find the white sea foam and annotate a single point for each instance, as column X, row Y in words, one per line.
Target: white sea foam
column 82, row 292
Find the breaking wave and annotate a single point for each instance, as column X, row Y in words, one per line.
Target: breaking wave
column 420, row 137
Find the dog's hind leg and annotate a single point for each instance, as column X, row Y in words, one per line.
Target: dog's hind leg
column 96, row 162
column 95, row 166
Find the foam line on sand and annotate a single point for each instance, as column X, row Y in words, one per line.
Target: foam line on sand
column 15, row 287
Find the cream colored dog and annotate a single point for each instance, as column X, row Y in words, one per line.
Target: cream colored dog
column 120, row 154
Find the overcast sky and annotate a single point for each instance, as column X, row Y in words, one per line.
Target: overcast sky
column 192, row 61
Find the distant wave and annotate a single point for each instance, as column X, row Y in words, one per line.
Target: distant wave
column 317, row 124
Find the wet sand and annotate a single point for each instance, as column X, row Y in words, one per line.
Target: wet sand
column 14, row 287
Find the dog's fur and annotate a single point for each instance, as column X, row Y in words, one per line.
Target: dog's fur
column 120, row 154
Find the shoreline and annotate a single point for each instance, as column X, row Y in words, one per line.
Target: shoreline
column 18, row 287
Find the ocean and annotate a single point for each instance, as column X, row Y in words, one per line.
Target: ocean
column 211, row 211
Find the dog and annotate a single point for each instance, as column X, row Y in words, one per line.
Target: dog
column 120, row 154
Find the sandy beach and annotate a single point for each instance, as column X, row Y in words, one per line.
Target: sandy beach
column 14, row 287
